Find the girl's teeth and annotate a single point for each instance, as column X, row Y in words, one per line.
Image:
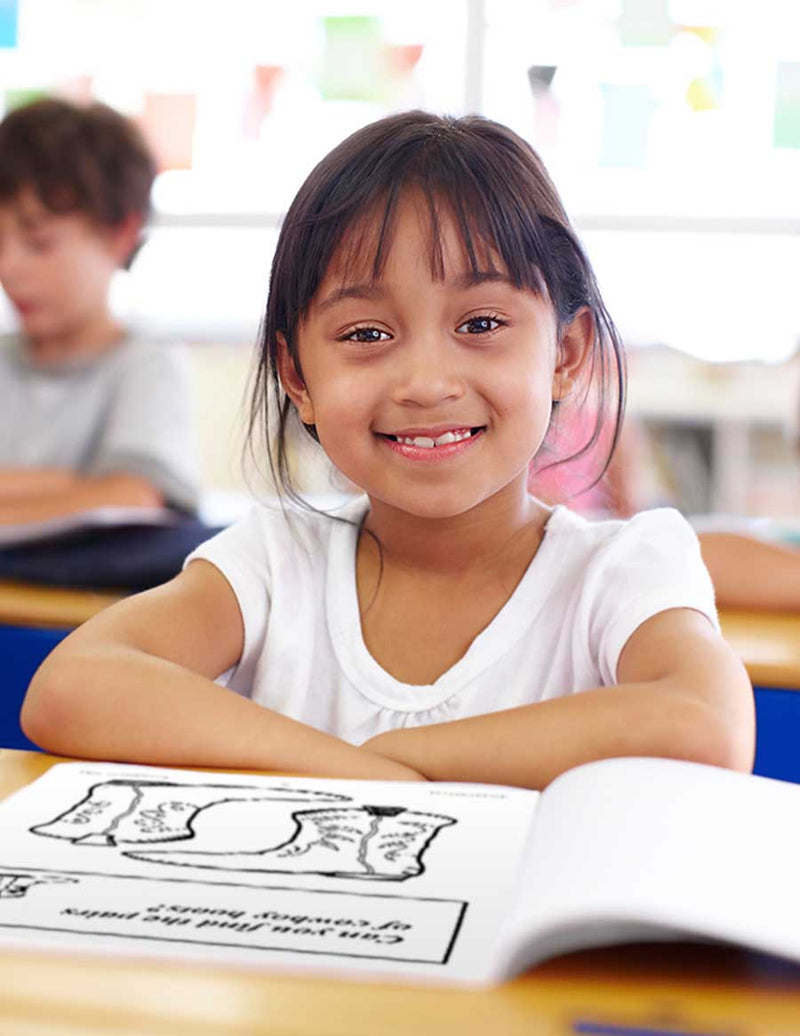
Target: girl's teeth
column 427, row 443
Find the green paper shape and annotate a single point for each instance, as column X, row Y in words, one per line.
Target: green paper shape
column 786, row 125
column 19, row 97
column 645, row 23
column 352, row 64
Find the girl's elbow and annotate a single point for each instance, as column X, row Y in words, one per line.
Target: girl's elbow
column 49, row 709
column 720, row 740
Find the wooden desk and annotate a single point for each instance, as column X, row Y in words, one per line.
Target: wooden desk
column 692, row 989
column 49, row 606
column 768, row 643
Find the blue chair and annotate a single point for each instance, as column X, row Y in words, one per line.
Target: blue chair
column 21, row 651
column 778, row 733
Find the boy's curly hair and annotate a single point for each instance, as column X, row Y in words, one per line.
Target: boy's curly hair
column 77, row 158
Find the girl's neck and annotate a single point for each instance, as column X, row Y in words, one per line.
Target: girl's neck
column 510, row 522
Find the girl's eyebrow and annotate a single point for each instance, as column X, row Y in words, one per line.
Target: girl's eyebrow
column 373, row 290
column 474, row 278
column 350, row 291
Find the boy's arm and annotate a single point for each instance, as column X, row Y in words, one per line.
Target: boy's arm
column 36, row 494
column 681, row 694
column 750, row 573
column 136, row 684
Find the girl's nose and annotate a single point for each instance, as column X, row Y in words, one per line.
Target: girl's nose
column 428, row 373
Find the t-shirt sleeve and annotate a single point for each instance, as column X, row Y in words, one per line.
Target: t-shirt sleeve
column 240, row 554
column 653, row 564
column 150, row 427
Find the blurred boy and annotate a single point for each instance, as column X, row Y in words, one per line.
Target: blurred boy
column 89, row 416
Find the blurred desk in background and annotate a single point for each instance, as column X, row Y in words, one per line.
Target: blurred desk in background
column 33, row 619
column 49, row 607
column 769, row 645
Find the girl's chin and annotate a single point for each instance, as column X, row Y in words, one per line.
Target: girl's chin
column 429, row 508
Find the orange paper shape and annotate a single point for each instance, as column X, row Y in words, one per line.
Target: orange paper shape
column 258, row 103
column 168, row 122
column 403, row 59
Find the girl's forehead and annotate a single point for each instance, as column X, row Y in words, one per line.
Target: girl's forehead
column 429, row 236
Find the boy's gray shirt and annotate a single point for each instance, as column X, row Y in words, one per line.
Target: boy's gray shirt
column 129, row 410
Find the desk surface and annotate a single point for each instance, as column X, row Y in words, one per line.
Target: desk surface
column 680, row 987
column 768, row 643
column 49, row 606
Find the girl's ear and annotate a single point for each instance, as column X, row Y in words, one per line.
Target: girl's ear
column 574, row 350
column 293, row 384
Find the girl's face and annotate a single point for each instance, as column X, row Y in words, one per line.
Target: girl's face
column 431, row 394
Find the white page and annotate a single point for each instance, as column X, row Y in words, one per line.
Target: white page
column 271, row 872
column 94, row 518
column 628, row 848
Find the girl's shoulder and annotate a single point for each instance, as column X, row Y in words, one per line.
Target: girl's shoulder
column 282, row 532
column 662, row 531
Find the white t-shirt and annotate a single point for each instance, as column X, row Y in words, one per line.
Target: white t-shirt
column 584, row 593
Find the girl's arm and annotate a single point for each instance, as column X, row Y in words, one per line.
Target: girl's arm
column 682, row 694
column 135, row 684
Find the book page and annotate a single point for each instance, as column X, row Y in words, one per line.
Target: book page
column 96, row 517
column 642, row 848
column 396, row 879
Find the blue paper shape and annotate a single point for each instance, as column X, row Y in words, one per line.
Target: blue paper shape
column 9, row 10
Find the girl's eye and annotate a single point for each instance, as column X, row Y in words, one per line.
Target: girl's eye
column 480, row 325
column 366, row 335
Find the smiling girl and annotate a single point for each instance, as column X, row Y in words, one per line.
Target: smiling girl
column 431, row 316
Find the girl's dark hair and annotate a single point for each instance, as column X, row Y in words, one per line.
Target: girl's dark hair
column 498, row 191
column 77, row 158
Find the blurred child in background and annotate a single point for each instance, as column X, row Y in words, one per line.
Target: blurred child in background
column 89, row 415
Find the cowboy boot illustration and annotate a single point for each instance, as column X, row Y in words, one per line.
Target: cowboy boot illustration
column 384, row 843
column 137, row 811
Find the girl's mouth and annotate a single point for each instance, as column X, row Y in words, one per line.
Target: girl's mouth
column 427, row 442
column 428, row 447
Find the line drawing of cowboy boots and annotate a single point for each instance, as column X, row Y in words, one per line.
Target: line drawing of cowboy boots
column 141, row 811
column 384, row 843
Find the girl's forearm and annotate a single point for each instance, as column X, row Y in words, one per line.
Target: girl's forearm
column 531, row 745
column 121, row 704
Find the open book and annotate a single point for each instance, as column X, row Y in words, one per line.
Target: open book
column 451, row 883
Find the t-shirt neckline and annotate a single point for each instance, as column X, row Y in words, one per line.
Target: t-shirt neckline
column 370, row 678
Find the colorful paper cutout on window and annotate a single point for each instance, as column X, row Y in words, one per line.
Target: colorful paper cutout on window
column 353, row 63
column 786, row 129
column 9, row 18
